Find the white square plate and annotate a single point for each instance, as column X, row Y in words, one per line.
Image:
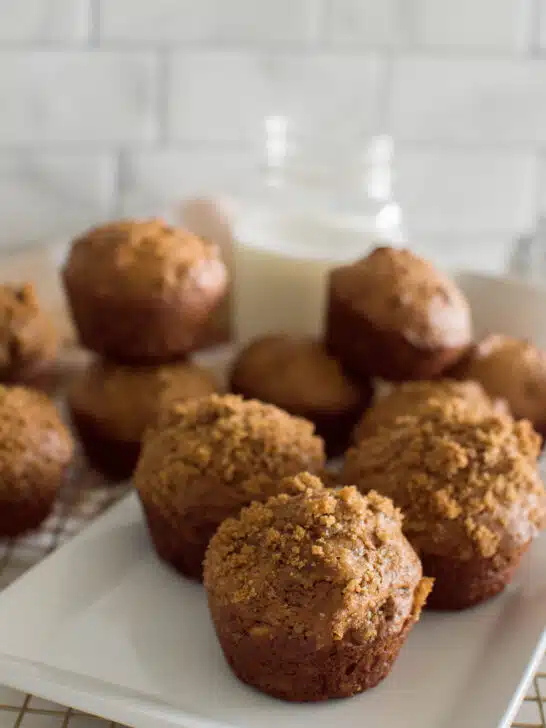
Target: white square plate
column 102, row 626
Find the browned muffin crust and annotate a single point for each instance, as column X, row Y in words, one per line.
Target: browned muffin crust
column 208, row 458
column 393, row 315
column 312, row 594
column 513, row 369
column 35, row 450
column 421, row 399
column 112, row 405
column 28, row 340
column 298, row 374
column 142, row 291
column 469, row 491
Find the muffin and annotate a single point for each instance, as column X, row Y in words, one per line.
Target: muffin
column 28, row 341
column 208, row 458
column 35, row 451
column 393, row 315
column 417, row 399
column 111, row 405
column 313, row 594
column 470, row 493
column 513, row 369
column 299, row 375
column 141, row 291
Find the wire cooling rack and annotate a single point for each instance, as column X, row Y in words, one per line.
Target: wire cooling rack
column 84, row 497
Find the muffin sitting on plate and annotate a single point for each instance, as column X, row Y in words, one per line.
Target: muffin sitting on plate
column 393, row 315
column 470, row 493
column 513, row 369
column 208, row 458
column 298, row 374
column 419, row 398
column 313, row 593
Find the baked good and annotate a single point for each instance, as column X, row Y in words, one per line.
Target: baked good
column 142, row 291
column 208, row 458
column 312, row 594
column 393, row 315
column 299, row 375
column 470, row 493
column 513, row 369
column 28, row 340
column 111, row 405
column 419, row 397
column 35, row 451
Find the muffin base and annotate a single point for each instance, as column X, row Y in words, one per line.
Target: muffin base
column 115, row 459
column 368, row 351
column 172, row 547
column 294, row 669
column 463, row 584
column 149, row 331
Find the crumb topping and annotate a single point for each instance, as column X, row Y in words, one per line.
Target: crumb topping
column 421, row 399
column 143, row 257
column 35, row 446
column 468, row 484
column 236, row 450
column 399, row 291
column 27, row 335
column 317, row 562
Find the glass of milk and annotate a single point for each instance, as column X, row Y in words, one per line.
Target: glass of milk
column 321, row 205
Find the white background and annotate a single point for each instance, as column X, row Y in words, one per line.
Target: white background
column 111, row 107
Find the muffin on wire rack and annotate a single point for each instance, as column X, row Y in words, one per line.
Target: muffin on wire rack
column 35, row 452
column 111, row 405
column 142, row 292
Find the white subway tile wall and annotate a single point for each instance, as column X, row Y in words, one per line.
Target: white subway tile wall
column 119, row 106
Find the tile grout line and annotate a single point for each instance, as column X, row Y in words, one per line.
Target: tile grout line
column 94, row 24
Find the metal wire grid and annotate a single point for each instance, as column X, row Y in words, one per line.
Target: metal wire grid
column 84, row 497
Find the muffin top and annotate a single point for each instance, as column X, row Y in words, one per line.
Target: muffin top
column 144, row 258
column 421, row 399
column 295, row 373
column 464, row 484
column 125, row 400
column 223, row 451
column 27, row 335
column 319, row 563
column 399, row 292
column 35, row 446
column 511, row 368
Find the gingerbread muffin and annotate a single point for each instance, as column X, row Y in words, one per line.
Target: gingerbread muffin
column 513, row 369
column 208, row 458
column 28, row 340
column 300, row 376
column 470, row 493
column 418, row 398
column 141, row 291
column 393, row 315
column 111, row 405
column 313, row 593
column 35, row 451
